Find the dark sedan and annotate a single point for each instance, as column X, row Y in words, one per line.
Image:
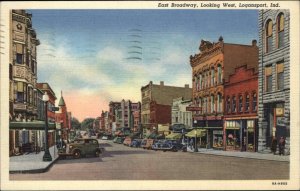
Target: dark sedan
column 136, row 143
column 168, row 145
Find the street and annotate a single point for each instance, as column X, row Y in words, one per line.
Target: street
column 119, row 162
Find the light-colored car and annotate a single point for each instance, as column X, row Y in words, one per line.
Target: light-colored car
column 104, row 138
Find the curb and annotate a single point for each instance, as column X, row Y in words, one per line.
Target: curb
column 31, row 171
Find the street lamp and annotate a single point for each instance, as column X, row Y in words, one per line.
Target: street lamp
column 195, row 149
column 47, row 155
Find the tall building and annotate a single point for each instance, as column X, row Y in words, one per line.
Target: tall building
column 211, row 68
column 63, row 118
column 274, row 77
column 157, row 101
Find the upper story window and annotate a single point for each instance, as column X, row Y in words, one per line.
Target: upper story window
column 201, row 81
column 32, row 66
column 10, row 72
column 240, row 103
column 269, row 36
column 234, row 104
column 228, row 105
column 247, row 103
column 254, row 102
column 280, row 30
column 280, row 76
column 212, row 103
column 19, row 58
column 219, row 74
column 219, row 102
column 212, row 77
column 268, row 78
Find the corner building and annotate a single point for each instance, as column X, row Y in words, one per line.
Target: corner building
column 210, row 69
column 274, row 78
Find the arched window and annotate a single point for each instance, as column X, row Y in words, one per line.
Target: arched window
column 254, row 102
column 220, row 102
column 269, row 32
column 247, row 104
column 212, row 103
column 201, row 81
column 280, row 30
column 219, row 74
column 212, row 77
column 233, row 104
column 228, row 105
column 240, row 103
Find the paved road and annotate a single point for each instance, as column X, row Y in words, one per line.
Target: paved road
column 124, row 163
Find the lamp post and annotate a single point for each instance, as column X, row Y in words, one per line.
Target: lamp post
column 47, row 155
column 195, row 149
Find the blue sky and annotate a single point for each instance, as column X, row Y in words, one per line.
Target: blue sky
column 107, row 55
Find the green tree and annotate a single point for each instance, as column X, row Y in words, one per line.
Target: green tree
column 87, row 124
column 75, row 123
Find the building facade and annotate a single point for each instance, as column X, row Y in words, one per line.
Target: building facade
column 240, row 114
column 180, row 114
column 210, row 69
column 157, row 101
column 274, row 77
column 63, row 119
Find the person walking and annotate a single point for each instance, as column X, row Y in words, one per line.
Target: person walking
column 274, row 145
column 281, row 146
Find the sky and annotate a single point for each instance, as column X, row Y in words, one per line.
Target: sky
column 98, row 56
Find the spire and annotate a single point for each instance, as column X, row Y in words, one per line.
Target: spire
column 61, row 101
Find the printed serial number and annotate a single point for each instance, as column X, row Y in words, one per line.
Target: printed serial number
column 279, row 183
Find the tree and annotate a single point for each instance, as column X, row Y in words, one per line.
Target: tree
column 87, row 124
column 75, row 124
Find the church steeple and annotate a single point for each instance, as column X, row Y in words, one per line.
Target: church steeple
column 61, row 101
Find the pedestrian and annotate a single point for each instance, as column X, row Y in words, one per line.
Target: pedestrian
column 274, row 145
column 281, row 146
column 191, row 144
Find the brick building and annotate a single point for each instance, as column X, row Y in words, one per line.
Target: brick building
column 210, row 69
column 240, row 115
column 274, row 77
column 157, row 101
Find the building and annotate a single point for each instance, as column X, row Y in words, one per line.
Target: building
column 210, row 69
column 156, row 104
column 136, row 116
column 22, row 78
column 274, row 77
column 180, row 114
column 63, row 119
column 240, row 115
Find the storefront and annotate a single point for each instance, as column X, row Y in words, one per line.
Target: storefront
column 240, row 135
column 198, row 135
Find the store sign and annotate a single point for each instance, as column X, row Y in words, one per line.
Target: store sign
column 193, row 108
column 280, row 121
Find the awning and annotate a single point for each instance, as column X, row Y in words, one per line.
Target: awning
column 174, row 136
column 199, row 132
column 32, row 125
column 232, row 128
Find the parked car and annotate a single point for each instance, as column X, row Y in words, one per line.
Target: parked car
column 136, row 143
column 104, row 138
column 127, row 141
column 168, row 145
column 81, row 147
column 147, row 144
column 118, row 140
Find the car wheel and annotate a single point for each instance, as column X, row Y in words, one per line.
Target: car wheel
column 174, row 149
column 77, row 154
column 97, row 153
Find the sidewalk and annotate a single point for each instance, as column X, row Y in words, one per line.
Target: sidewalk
column 252, row 155
column 32, row 163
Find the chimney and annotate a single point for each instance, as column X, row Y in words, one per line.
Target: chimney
column 161, row 83
column 254, row 42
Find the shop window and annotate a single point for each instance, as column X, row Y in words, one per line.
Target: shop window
column 234, row 104
column 254, row 102
column 233, row 135
column 269, row 32
column 228, row 105
column 268, row 77
column 240, row 103
column 280, row 30
column 250, row 136
column 280, row 76
column 247, row 103
column 218, row 139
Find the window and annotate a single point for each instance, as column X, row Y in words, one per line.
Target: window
column 212, row 104
column 212, row 77
column 20, row 92
column 240, row 103
column 219, row 102
column 19, row 58
column 280, row 30
column 233, row 104
column 269, row 40
column 10, row 72
column 247, row 104
column 219, row 74
column 268, row 77
column 280, row 76
column 254, row 102
column 201, row 81
column 228, row 105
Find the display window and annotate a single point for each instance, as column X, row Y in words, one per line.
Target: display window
column 250, row 136
column 218, row 139
column 233, row 141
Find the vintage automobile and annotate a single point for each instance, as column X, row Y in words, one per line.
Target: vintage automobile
column 168, row 145
column 81, row 147
column 136, row 143
column 118, row 140
column 127, row 141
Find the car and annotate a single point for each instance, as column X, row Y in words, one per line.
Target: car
column 127, row 141
column 136, row 143
column 104, row 138
column 118, row 140
column 81, row 147
column 168, row 145
column 147, row 143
